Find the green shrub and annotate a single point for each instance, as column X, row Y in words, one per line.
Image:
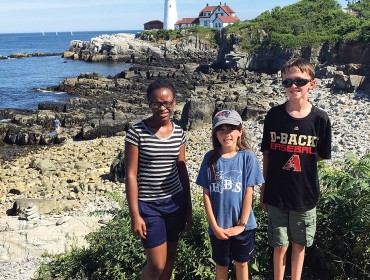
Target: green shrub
column 342, row 242
column 341, row 248
column 115, row 253
column 305, row 23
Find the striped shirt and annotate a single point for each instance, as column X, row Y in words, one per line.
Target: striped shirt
column 158, row 176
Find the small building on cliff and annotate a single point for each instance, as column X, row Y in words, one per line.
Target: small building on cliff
column 153, row 24
column 186, row 23
column 218, row 16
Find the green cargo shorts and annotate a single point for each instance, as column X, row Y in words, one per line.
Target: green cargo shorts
column 291, row 226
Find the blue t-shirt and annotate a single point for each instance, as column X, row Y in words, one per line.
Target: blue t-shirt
column 233, row 176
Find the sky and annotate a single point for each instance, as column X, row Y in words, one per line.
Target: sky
column 18, row 16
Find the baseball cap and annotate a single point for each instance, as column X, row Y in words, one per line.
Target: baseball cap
column 226, row 117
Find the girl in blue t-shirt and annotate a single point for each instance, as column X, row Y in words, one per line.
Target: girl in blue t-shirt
column 228, row 174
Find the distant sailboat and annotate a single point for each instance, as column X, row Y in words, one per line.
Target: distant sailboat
column 43, row 34
column 71, row 33
column 56, row 33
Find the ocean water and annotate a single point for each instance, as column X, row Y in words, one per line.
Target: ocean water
column 18, row 77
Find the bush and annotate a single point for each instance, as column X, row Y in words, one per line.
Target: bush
column 341, row 248
column 305, row 23
column 342, row 243
column 115, row 253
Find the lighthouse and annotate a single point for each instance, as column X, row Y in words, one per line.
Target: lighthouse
column 170, row 14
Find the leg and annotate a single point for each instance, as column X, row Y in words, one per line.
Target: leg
column 302, row 228
column 241, row 270
column 279, row 262
column 221, row 272
column 170, row 261
column 156, row 261
column 297, row 260
column 278, row 238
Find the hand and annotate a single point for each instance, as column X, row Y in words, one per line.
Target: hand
column 138, row 227
column 233, row 231
column 221, row 233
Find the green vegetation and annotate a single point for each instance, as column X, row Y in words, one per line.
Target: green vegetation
column 341, row 249
column 162, row 34
column 342, row 243
column 207, row 34
column 306, row 23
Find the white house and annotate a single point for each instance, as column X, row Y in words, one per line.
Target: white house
column 210, row 17
column 186, row 23
column 209, row 14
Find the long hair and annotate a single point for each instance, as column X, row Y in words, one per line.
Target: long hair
column 243, row 143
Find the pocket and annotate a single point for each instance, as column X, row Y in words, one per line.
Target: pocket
column 310, row 224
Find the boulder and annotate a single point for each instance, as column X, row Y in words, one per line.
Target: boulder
column 117, row 169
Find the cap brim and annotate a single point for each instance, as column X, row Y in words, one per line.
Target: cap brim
column 226, row 122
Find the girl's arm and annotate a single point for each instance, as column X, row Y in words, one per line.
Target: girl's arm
column 246, row 210
column 220, row 233
column 184, row 179
column 131, row 167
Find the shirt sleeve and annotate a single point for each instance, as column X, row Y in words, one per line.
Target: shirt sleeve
column 132, row 136
column 324, row 145
column 265, row 136
column 253, row 170
column 183, row 137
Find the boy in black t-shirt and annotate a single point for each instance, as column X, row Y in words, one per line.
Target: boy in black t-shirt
column 296, row 136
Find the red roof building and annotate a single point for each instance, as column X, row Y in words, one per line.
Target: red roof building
column 186, row 23
column 210, row 17
column 153, row 24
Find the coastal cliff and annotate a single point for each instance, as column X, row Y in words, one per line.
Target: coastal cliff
column 207, row 78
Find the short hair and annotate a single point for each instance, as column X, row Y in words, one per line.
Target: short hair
column 159, row 83
column 302, row 64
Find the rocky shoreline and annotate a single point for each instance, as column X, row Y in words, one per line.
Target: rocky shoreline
column 75, row 174
column 69, row 174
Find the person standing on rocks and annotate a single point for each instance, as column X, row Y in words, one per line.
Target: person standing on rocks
column 228, row 174
column 296, row 136
column 57, row 125
column 157, row 182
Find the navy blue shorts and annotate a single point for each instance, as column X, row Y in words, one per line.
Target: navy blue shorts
column 164, row 219
column 240, row 248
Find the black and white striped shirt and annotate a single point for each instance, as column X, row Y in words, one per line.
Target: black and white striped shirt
column 158, row 176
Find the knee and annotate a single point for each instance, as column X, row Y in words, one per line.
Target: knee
column 154, row 270
column 241, row 265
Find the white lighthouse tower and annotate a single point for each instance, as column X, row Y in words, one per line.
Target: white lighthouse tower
column 170, row 14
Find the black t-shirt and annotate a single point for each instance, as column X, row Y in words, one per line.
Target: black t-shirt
column 293, row 147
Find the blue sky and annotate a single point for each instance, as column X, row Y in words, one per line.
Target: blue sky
column 91, row 15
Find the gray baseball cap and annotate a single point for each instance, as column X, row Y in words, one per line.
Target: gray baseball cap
column 226, row 117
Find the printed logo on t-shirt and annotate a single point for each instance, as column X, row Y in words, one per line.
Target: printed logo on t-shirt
column 227, row 181
column 294, row 164
column 293, row 143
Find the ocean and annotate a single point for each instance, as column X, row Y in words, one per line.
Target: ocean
column 18, row 77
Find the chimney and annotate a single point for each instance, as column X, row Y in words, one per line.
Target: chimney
column 207, row 5
column 220, row 3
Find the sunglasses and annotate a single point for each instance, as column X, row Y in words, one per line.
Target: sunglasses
column 299, row 82
column 156, row 104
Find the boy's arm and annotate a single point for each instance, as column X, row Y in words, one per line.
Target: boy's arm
column 219, row 232
column 265, row 163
